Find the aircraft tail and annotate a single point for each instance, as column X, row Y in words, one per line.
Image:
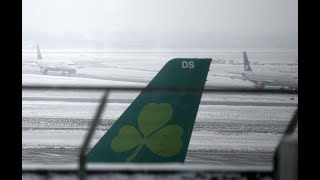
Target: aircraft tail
column 246, row 62
column 157, row 126
column 38, row 52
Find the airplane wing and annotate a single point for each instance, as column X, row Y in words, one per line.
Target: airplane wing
column 261, row 81
column 231, row 77
column 234, row 72
column 246, row 79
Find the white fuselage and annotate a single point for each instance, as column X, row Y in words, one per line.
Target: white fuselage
column 57, row 65
column 272, row 79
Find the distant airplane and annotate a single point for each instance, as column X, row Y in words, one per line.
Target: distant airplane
column 65, row 66
column 262, row 79
column 157, row 126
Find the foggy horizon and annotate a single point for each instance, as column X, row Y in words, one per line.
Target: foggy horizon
column 160, row 24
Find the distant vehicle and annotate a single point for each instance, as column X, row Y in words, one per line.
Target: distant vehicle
column 157, row 126
column 65, row 66
column 262, row 79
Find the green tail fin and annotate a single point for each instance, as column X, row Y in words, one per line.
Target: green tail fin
column 157, row 126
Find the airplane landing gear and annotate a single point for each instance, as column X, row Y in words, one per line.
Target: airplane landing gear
column 44, row 71
column 72, row 72
column 66, row 73
column 259, row 85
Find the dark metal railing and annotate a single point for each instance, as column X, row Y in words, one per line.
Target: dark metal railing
column 158, row 89
column 88, row 137
column 107, row 89
column 290, row 130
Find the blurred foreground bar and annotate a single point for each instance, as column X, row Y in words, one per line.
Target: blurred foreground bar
column 145, row 171
column 288, row 158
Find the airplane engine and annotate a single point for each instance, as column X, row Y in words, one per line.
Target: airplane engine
column 259, row 85
column 72, row 71
column 44, row 71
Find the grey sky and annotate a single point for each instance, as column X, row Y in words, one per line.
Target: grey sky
column 163, row 22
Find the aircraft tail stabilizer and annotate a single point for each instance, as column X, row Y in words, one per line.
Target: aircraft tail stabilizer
column 157, row 126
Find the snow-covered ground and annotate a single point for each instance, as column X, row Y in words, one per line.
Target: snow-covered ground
column 55, row 129
column 36, row 79
column 200, row 141
column 55, row 122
